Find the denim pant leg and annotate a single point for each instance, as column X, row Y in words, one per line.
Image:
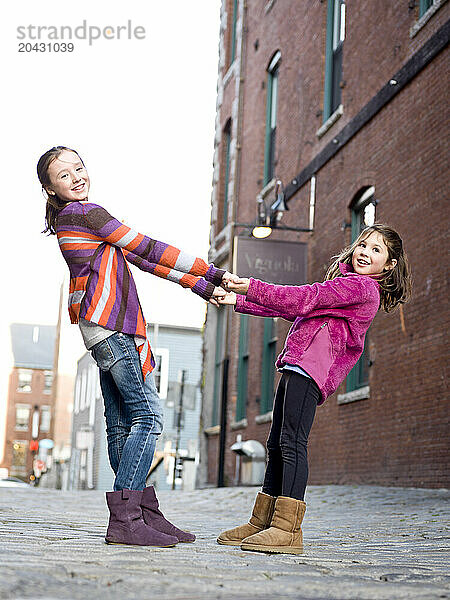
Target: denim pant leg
column 118, row 421
column 119, row 357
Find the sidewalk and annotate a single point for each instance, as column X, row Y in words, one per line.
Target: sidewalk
column 361, row 543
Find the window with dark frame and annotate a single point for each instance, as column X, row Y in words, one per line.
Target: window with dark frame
column 218, row 367
column 271, row 117
column 242, row 376
column 226, row 177
column 424, row 5
column 333, row 56
column 268, row 365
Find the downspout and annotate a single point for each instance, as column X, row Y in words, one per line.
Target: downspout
column 226, row 361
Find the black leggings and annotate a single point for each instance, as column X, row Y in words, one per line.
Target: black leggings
column 293, row 414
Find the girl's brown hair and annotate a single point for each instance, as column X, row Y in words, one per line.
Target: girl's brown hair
column 396, row 283
column 54, row 203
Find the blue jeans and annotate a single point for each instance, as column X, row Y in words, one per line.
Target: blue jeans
column 132, row 410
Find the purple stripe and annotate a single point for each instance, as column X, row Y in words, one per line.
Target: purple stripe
column 157, row 252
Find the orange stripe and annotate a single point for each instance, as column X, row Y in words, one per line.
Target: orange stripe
column 169, row 256
column 101, row 281
column 112, row 294
column 135, row 243
column 140, row 325
column 188, row 281
column 79, row 246
column 118, row 233
column 81, row 234
column 161, row 271
column 199, row 267
column 77, row 283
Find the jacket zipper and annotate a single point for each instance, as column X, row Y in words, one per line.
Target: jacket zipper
column 315, row 335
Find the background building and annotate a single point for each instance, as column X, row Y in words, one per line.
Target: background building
column 30, row 403
column 176, row 349
column 346, row 104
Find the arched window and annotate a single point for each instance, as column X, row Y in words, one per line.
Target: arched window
column 363, row 209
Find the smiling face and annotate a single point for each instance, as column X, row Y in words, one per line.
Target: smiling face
column 371, row 256
column 68, row 177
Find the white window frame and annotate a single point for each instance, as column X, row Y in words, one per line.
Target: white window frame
column 22, row 406
column 42, row 427
column 24, row 372
column 46, row 375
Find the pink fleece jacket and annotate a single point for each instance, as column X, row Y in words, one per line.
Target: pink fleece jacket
column 330, row 321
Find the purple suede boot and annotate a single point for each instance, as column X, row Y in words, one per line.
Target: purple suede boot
column 126, row 525
column 154, row 517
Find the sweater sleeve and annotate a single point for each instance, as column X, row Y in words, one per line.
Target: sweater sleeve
column 301, row 300
column 198, row 285
column 108, row 229
column 249, row 308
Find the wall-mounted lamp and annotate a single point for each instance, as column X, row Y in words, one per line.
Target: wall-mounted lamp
column 271, row 205
column 269, row 217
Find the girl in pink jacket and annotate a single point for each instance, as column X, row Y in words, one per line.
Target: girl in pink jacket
column 330, row 321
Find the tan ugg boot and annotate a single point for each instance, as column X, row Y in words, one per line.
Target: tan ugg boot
column 260, row 519
column 285, row 533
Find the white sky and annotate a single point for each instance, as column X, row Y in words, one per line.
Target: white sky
column 141, row 114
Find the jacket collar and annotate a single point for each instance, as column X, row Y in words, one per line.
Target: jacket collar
column 345, row 268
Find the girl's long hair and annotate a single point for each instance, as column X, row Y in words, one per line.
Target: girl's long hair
column 396, row 283
column 54, row 203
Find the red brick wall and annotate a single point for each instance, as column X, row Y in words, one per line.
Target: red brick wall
column 33, row 398
column 399, row 436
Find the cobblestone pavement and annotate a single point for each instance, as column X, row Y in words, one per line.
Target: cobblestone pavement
column 361, row 542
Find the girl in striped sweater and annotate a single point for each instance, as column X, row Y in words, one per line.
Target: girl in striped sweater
column 103, row 300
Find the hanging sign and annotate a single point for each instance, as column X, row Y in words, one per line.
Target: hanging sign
column 271, row 260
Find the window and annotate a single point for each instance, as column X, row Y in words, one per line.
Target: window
column 363, row 215
column 424, row 5
column 268, row 365
column 333, row 56
column 218, row 366
column 24, row 382
column 161, row 371
column 242, row 377
column 19, row 455
column 48, row 380
column 22, row 417
column 226, row 171
column 45, row 418
column 233, row 4
column 271, row 117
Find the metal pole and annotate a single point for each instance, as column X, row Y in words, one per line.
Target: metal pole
column 180, row 410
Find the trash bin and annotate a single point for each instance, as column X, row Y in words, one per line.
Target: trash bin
column 253, row 463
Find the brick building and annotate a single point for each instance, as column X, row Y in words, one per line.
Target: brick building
column 30, row 402
column 344, row 102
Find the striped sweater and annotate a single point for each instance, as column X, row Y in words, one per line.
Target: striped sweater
column 102, row 290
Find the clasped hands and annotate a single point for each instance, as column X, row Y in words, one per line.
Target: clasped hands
column 230, row 286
